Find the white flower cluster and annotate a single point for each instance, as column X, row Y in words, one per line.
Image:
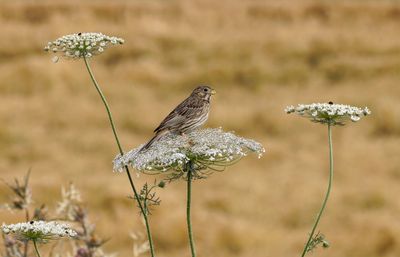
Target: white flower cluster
column 82, row 45
column 329, row 113
column 206, row 148
column 39, row 231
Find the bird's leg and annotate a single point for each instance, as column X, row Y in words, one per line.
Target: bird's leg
column 186, row 138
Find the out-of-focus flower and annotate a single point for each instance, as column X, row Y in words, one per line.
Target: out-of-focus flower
column 40, row 213
column 22, row 194
column 81, row 45
column 140, row 244
column 329, row 113
column 12, row 247
column 38, row 231
column 71, row 198
column 206, row 149
column 82, row 252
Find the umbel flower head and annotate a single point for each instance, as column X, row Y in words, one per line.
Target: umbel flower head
column 207, row 149
column 38, row 231
column 81, row 45
column 329, row 113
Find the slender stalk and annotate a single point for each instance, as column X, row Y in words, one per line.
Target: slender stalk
column 103, row 98
column 306, row 247
column 36, row 248
column 189, row 195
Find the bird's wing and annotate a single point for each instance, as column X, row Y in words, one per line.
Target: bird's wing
column 185, row 109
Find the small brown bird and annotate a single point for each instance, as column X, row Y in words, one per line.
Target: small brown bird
column 187, row 116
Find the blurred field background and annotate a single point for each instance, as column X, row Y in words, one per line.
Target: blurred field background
column 260, row 56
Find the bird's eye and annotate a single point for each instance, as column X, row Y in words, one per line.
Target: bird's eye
column 206, row 89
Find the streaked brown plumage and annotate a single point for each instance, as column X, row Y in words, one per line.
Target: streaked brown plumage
column 187, row 116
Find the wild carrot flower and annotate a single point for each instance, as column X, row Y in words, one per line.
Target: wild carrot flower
column 189, row 156
column 81, row 45
column 84, row 46
column 207, row 148
column 38, row 231
column 329, row 113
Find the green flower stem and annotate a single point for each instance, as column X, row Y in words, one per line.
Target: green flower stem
column 36, row 248
column 189, row 195
column 142, row 210
column 306, row 247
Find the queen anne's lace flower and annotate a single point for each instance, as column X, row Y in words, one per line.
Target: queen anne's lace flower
column 329, row 113
column 39, row 231
column 81, row 45
column 207, row 148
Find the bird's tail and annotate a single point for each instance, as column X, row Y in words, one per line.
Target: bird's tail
column 152, row 141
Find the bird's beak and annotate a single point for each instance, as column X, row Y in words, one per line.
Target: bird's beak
column 213, row 92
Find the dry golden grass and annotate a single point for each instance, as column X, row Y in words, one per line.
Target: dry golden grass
column 260, row 56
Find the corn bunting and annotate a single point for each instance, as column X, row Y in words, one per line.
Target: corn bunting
column 187, row 116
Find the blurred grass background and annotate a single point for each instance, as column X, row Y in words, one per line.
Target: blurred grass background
column 260, row 56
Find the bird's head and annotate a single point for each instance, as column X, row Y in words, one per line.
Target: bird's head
column 204, row 92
